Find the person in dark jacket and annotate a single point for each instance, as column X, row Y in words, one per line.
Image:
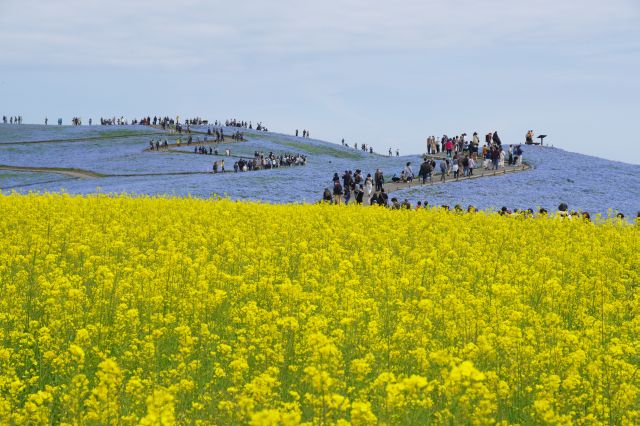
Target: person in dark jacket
column 379, row 180
column 383, row 198
column 346, row 179
column 359, row 193
column 326, row 196
column 496, row 138
column 425, row 171
column 337, row 192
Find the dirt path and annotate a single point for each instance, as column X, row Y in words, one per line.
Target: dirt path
column 87, row 139
column 478, row 173
column 88, row 174
column 76, row 173
column 390, row 187
column 172, row 146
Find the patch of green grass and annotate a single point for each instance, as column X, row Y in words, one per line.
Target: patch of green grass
column 122, row 133
column 8, row 175
column 310, row 149
column 321, row 150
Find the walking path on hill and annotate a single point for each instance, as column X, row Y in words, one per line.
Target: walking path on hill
column 390, row 187
column 85, row 139
column 76, row 173
column 478, row 172
column 172, row 146
column 88, row 174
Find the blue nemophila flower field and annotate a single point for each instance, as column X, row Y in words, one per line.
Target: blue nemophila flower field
column 583, row 182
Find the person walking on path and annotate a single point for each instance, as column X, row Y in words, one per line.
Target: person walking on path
column 495, row 157
column 426, row 171
column 443, row 170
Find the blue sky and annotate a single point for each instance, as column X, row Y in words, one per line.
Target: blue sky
column 384, row 73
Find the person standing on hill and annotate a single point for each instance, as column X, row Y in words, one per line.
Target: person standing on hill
column 347, row 194
column 379, row 180
column 449, row 147
column 455, row 168
column 346, row 180
column 426, row 171
column 496, row 138
column 495, row 157
column 383, row 198
column 465, row 166
column 368, row 185
column 359, row 194
column 337, row 192
column 443, row 170
column 517, row 160
column 326, row 196
column 408, row 171
column 529, row 138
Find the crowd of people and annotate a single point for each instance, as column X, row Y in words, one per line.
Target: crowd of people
column 12, row 119
column 358, row 185
column 217, row 136
column 157, row 145
column 460, row 144
column 164, row 122
column 269, row 161
column 260, row 161
column 382, row 199
column 305, row 133
column 114, row 121
column 460, row 164
column 243, row 124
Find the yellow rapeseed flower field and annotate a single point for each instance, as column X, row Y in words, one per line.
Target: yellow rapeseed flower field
column 135, row 310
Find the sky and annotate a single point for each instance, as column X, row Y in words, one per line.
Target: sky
column 388, row 74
